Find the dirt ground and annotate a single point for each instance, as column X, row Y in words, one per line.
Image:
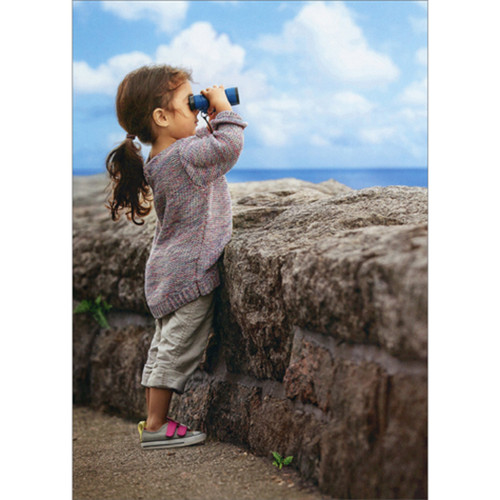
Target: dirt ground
column 108, row 463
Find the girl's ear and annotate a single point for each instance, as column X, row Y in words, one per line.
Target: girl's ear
column 160, row 117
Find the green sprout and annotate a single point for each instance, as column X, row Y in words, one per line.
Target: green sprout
column 279, row 461
column 96, row 308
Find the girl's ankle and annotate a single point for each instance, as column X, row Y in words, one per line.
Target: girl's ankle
column 153, row 426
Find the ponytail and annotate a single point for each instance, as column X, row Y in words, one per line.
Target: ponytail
column 129, row 188
column 139, row 93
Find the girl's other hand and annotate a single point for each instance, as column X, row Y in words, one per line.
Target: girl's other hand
column 218, row 100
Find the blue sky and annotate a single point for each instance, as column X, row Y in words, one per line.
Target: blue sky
column 323, row 84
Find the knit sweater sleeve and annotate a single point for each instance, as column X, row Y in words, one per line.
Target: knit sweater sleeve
column 206, row 156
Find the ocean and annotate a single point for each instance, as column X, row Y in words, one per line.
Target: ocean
column 356, row 178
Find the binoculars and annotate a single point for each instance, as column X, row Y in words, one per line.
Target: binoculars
column 200, row 102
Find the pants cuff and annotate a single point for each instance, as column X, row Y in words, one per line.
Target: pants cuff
column 169, row 379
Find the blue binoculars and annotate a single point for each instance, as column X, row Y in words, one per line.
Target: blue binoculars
column 200, row 102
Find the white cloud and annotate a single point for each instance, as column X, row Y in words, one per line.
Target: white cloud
column 168, row 16
column 378, row 135
column 210, row 55
column 324, row 40
column 414, row 116
column 415, row 94
column 326, row 135
column 418, row 24
column 278, row 118
column 347, row 103
column 321, row 101
column 106, row 77
column 421, row 56
column 319, row 141
column 323, row 60
column 290, row 118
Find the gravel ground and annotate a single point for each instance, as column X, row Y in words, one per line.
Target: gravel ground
column 109, row 463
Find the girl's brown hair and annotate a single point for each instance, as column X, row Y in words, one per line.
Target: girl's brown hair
column 139, row 94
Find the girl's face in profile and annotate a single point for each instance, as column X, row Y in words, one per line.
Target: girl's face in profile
column 182, row 121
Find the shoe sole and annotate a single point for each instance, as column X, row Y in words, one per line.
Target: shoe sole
column 173, row 443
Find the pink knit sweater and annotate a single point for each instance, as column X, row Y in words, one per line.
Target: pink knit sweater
column 193, row 208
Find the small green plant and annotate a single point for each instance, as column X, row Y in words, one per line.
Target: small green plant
column 97, row 308
column 279, row 461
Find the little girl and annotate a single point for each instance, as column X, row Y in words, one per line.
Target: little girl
column 185, row 173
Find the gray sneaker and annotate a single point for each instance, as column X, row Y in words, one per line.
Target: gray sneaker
column 170, row 435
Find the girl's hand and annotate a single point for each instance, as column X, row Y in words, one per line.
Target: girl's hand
column 217, row 99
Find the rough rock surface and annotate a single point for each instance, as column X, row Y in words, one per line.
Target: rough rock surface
column 320, row 345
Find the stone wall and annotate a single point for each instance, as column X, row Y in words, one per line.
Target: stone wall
column 320, row 342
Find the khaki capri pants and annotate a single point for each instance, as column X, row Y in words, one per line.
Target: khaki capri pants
column 178, row 344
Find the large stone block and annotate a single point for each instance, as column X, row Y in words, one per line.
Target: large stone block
column 353, row 266
column 85, row 330
column 116, row 364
